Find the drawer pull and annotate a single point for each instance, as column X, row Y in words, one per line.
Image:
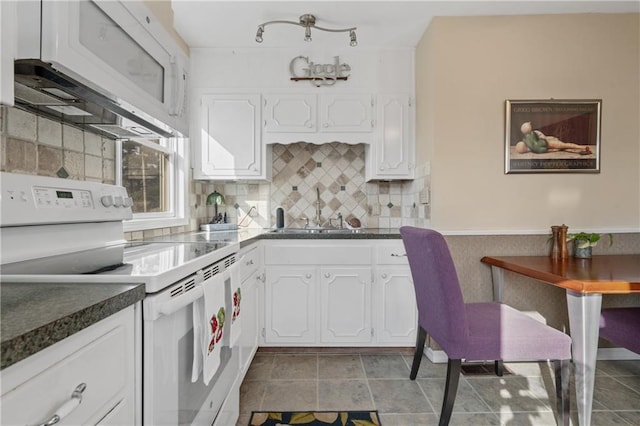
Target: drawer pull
column 66, row 408
column 399, row 255
column 327, row 275
column 250, row 262
column 384, row 276
column 308, row 276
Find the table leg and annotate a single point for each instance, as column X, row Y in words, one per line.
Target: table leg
column 497, row 277
column 584, row 321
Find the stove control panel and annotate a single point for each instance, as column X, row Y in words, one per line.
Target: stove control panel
column 35, row 200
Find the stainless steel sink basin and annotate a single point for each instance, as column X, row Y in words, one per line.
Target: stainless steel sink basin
column 317, row 231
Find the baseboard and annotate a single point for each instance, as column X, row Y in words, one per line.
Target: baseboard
column 436, row 357
column 604, row 354
column 618, row 354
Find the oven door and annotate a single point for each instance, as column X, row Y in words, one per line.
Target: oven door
column 169, row 396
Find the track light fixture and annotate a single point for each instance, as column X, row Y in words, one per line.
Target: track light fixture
column 308, row 21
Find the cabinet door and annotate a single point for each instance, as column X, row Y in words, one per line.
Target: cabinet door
column 391, row 154
column 228, row 138
column 345, row 303
column 249, row 317
column 290, row 113
column 346, row 113
column 290, row 300
column 102, row 357
column 396, row 310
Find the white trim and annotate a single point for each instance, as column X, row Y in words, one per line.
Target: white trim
column 495, row 232
column 617, row 354
column 604, row 354
column 436, row 357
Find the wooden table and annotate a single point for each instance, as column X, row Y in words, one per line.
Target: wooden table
column 585, row 281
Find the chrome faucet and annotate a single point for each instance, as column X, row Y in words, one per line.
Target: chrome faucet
column 318, row 210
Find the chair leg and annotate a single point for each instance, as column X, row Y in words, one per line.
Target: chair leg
column 563, row 398
column 417, row 355
column 451, row 388
column 499, row 368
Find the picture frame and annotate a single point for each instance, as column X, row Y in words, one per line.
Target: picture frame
column 552, row 136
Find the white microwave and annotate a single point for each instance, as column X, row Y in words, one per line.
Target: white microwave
column 116, row 48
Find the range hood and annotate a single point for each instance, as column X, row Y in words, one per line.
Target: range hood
column 43, row 90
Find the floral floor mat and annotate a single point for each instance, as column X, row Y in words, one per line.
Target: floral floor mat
column 315, row 418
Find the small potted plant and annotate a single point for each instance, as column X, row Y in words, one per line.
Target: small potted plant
column 583, row 243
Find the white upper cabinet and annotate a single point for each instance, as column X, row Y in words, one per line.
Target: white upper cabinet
column 290, row 113
column 372, row 107
column 391, row 156
column 294, row 117
column 346, row 113
column 227, row 139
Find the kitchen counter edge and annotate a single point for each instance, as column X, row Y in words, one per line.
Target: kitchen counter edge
column 249, row 236
column 56, row 312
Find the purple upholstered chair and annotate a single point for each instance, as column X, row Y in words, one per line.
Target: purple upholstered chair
column 621, row 326
column 475, row 331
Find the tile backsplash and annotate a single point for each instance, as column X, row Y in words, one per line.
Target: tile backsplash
column 36, row 145
column 40, row 146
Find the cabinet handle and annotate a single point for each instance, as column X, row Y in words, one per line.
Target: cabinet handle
column 250, row 262
column 326, row 124
column 308, row 275
column 66, row 408
column 327, row 275
column 399, row 255
column 381, row 167
column 309, row 125
column 384, row 276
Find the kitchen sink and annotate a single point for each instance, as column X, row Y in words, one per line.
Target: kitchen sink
column 318, row 231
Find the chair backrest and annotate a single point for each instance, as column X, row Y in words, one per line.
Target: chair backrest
column 441, row 310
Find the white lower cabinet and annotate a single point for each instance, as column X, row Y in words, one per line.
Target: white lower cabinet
column 95, row 366
column 345, row 305
column 323, row 293
column 395, row 309
column 251, row 275
column 290, row 305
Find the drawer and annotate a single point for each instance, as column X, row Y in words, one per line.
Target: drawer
column 249, row 262
column 391, row 254
column 103, row 365
column 318, row 255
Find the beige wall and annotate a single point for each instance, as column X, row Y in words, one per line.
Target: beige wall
column 164, row 13
column 466, row 67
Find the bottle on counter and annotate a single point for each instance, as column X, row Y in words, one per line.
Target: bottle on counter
column 279, row 217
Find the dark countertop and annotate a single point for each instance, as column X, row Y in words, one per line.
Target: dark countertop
column 35, row 316
column 249, row 235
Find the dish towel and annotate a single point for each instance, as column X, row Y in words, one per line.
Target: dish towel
column 213, row 324
column 198, row 338
column 236, row 298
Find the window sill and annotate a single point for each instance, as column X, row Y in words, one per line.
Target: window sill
column 145, row 224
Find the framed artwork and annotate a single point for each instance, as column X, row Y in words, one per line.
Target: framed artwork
column 552, row 136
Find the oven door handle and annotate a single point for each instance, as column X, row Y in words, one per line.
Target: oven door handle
column 168, row 308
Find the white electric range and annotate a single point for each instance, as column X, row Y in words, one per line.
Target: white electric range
column 67, row 231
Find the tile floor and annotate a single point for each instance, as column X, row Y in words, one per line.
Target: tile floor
column 362, row 379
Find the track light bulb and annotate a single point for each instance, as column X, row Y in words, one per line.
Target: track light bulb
column 259, row 34
column 307, row 34
column 352, row 37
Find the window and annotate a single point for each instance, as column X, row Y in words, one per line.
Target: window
column 154, row 173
